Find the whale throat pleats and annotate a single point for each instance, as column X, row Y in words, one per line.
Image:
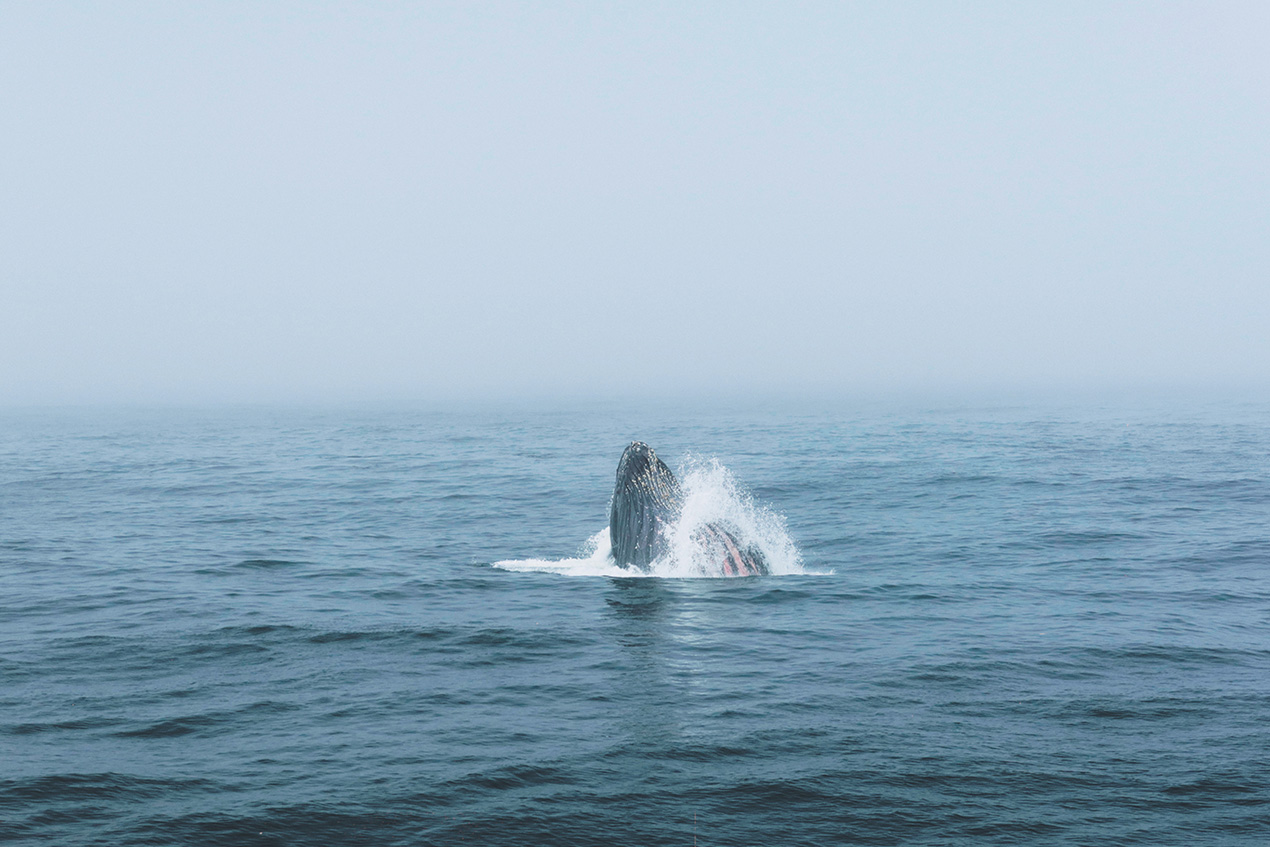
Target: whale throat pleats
column 646, row 500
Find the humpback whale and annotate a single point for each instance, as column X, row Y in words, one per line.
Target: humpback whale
column 647, row 501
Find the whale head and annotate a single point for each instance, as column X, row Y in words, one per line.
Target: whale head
column 646, row 500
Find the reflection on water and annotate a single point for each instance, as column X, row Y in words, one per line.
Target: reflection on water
column 643, row 694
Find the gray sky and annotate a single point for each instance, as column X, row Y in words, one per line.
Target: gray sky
column 295, row 201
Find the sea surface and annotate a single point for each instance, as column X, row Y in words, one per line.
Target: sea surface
column 993, row 624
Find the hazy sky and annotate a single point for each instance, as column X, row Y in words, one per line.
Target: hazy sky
column 302, row 201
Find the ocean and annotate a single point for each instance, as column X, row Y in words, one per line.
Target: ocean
column 989, row 624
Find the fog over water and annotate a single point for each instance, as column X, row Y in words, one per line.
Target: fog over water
column 206, row 202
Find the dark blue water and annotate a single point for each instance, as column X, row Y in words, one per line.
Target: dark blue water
column 1043, row 625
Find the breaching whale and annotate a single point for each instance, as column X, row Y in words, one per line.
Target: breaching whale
column 647, row 501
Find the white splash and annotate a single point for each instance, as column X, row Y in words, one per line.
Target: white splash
column 594, row 559
column 711, row 495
